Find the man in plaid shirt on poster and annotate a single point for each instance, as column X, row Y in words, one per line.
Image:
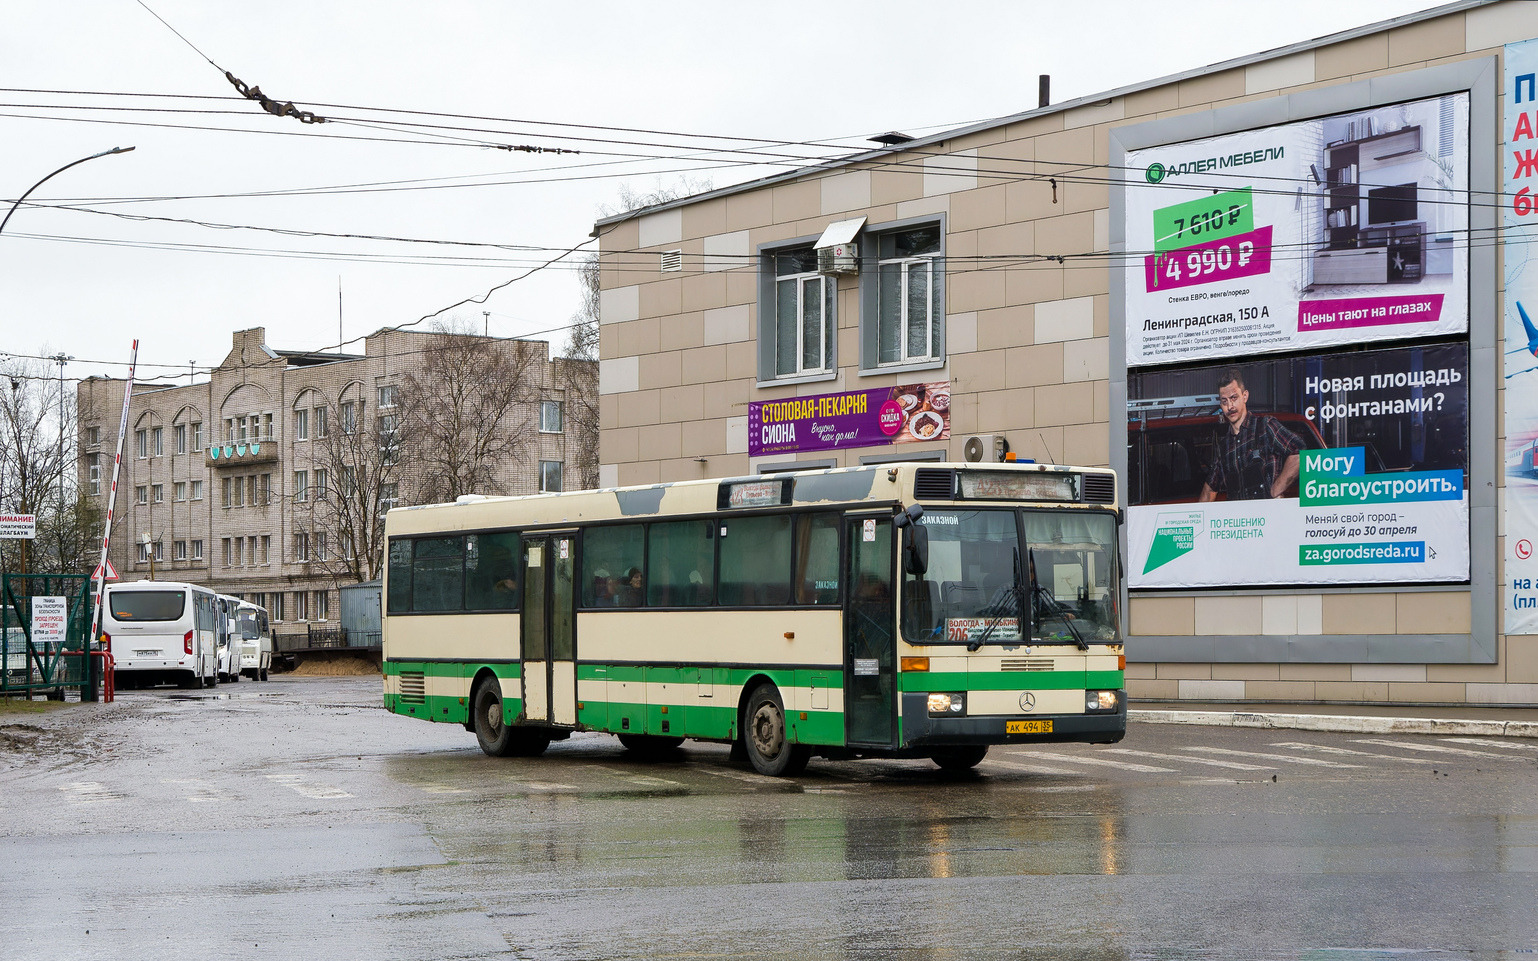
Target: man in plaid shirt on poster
column 1256, row 457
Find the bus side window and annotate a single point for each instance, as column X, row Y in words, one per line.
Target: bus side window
column 817, row 559
column 608, row 555
column 755, row 561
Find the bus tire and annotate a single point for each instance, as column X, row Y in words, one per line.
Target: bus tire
column 261, row 674
column 764, row 735
column 960, row 758
column 492, row 731
column 650, row 745
column 190, row 680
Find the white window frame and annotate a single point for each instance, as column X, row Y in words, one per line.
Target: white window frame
column 142, row 494
column 157, row 493
column 302, row 546
column 93, row 473
column 197, row 550
column 387, row 395
column 179, row 551
column 773, row 287
column 197, row 490
column 158, row 441
column 546, row 417
column 197, row 435
column 142, row 444
column 302, row 423
column 301, row 485
column 546, row 467
column 179, row 438
column 877, row 250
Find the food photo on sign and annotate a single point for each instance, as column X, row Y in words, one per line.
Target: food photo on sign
column 926, row 412
column 906, row 414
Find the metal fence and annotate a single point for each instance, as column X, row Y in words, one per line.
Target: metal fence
column 31, row 665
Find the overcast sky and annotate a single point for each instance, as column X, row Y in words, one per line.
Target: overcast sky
column 87, row 281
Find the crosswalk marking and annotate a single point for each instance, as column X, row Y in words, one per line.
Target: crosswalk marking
column 89, row 792
column 1347, row 752
column 1104, row 762
column 1491, row 742
column 1310, row 761
column 1435, row 748
column 1213, row 762
column 315, row 792
column 201, row 792
column 1032, row 768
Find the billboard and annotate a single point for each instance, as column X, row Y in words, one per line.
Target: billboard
column 1336, row 230
column 907, row 414
column 1334, row 468
column 1520, row 249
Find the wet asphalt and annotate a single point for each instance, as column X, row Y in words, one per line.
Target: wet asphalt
column 256, row 820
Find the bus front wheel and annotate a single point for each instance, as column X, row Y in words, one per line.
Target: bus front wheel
column 960, row 758
column 495, row 735
column 764, row 736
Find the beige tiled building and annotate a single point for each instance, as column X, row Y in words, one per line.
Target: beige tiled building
column 235, row 477
column 1004, row 246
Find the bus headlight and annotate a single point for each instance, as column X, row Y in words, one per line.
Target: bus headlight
column 942, row 704
column 1101, row 702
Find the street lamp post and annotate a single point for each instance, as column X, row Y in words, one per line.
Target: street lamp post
column 22, row 199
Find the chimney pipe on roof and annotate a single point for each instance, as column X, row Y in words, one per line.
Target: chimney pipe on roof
column 1044, row 90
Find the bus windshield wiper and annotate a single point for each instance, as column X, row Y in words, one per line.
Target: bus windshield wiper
column 1052, row 608
column 1015, row 590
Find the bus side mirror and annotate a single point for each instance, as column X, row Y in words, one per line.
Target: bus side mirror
column 916, row 550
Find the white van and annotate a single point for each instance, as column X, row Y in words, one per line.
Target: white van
column 255, row 640
column 161, row 631
column 229, row 639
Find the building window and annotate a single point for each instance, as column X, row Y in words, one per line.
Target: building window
column 349, row 417
column 179, row 438
column 251, row 549
column 301, row 424
column 180, row 547
column 301, row 546
column 93, row 472
column 322, row 605
column 275, row 605
column 239, row 543
column 142, row 494
column 160, row 550
column 320, row 484
column 389, row 496
column 320, row 545
column 550, row 476
column 387, row 395
column 179, row 491
column 157, row 441
column 238, row 487
column 349, row 481
column 264, row 489
column 197, row 490
column 197, row 550
column 908, row 293
column 197, row 435
column 142, row 443
column 92, row 436
column 389, row 439
column 301, row 485
column 301, row 605
column 550, row 417
column 251, row 491
column 799, row 341
column 266, row 549
column 158, row 493
column 266, row 427
column 224, row 545
column 320, row 422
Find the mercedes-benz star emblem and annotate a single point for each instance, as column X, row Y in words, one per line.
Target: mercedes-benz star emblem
column 1027, row 701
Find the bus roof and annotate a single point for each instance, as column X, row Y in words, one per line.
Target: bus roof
column 896, row 484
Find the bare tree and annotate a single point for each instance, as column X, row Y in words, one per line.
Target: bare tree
column 356, row 479
column 34, row 478
column 581, row 378
column 463, row 414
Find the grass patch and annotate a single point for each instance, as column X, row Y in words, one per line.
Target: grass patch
column 10, row 706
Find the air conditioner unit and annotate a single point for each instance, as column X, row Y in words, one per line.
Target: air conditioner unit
column 839, row 259
column 838, row 249
column 984, row 447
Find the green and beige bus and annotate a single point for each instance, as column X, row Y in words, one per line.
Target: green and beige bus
column 914, row 610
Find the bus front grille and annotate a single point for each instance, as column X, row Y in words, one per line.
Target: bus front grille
column 1026, row 664
column 413, row 687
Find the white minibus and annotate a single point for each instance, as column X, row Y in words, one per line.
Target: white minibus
column 161, row 631
column 255, row 640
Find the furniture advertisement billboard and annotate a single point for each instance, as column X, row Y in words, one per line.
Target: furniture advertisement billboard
column 1337, row 230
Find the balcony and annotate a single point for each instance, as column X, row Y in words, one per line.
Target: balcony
column 241, row 455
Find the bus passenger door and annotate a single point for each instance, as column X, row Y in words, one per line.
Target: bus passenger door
column 870, row 641
column 549, row 629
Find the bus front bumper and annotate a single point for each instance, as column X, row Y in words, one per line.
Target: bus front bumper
column 921, row 730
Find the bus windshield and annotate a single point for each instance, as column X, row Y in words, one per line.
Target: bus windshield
column 148, row 605
column 986, row 565
column 250, row 627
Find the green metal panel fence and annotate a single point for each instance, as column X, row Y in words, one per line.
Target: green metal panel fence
column 29, row 667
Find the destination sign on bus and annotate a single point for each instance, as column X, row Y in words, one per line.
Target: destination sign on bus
column 973, row 628
column 768, row 493
column 999, row 485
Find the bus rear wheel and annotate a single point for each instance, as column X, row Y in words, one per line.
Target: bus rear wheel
column 960, row 758
column 764, row 736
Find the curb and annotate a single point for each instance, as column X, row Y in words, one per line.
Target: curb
column 1340, row 723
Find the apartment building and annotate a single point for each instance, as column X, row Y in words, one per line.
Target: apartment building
column 1312, row 239
column 267, row 480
